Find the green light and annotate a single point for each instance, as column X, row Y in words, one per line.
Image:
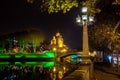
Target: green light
column 4, row 56
column 49, row 64
column 31, row 55
column 34, row 56
column 4, row 63
column 44, row 64
column 18, row 55
column 50, row 54
column 18, row 63
column 73, row 56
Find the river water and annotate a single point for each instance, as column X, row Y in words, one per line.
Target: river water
column 35, row 70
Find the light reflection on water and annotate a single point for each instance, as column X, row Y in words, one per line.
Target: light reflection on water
column 34, row 72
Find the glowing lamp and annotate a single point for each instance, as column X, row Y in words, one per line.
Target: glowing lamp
column 84, row 9
column 84, row 17
column 78, row 19
column 91, row 18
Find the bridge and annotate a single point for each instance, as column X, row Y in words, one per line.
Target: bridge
column 84, row 57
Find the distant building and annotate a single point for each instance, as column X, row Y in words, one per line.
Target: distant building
column 57, row 44
column 98, row 56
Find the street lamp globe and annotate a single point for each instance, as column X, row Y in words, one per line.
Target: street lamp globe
column 84, row 9
column 78, row 19
column 91, row 18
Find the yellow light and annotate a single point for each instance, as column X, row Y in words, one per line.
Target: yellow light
column 60, row 74
column 54, row 69
column 91, row 54
column 64, row 68
column 54, row 49
column 64, row 50
column 15, row 50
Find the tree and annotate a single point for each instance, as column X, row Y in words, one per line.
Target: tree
column 43, row 46
column 104, row 37
column 116, row 4
column 99, row 37
column 55, row 6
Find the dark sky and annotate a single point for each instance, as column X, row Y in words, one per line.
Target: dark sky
column 17, row 15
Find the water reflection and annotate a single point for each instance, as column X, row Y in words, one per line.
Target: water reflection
column 34, row 72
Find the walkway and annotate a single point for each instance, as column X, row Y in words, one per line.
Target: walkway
column 103, row 71
column 100, row 75
column 76, row 75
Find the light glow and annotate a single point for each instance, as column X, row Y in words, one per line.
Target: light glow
column 84, row 9
column 78, row 19
column 32, row 55
column 91, row 18
column 84, row 17
column 4, row 56
column 44, row 64
column 4, row 63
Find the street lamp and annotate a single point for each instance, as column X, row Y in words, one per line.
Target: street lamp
column 85, row 19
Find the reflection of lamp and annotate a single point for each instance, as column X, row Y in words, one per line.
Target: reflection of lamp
column 84, row 20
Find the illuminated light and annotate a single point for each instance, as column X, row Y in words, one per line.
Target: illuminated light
column 44, row 64
column 18, row 63
column 64, row 50
column 84, row 17
column 49, row 64
column 4, row 63
column 79, row 60
column 54, row 49
column 110, row 57
column 18, row 55
column 73, row 56
column 50, row 54
column 14, row 50
column 4, row 56
column 115, row 60
column 60, row 74
column 95, row 52
column 64, row 69
column 91, row 54
column 54, row 69
column 78, row 19
column 84, row 9
column 34, row 56
column 60, row 45
column 45, row 55
column 91, row 18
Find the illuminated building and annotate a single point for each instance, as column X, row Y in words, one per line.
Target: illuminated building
column 57, row 43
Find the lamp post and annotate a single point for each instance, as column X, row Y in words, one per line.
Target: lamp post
column 85, row 19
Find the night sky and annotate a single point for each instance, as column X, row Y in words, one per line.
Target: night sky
column 17, row 15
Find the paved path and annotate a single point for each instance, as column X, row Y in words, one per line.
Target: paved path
column 82, row 73
column 76, row 75
column 100, row 75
